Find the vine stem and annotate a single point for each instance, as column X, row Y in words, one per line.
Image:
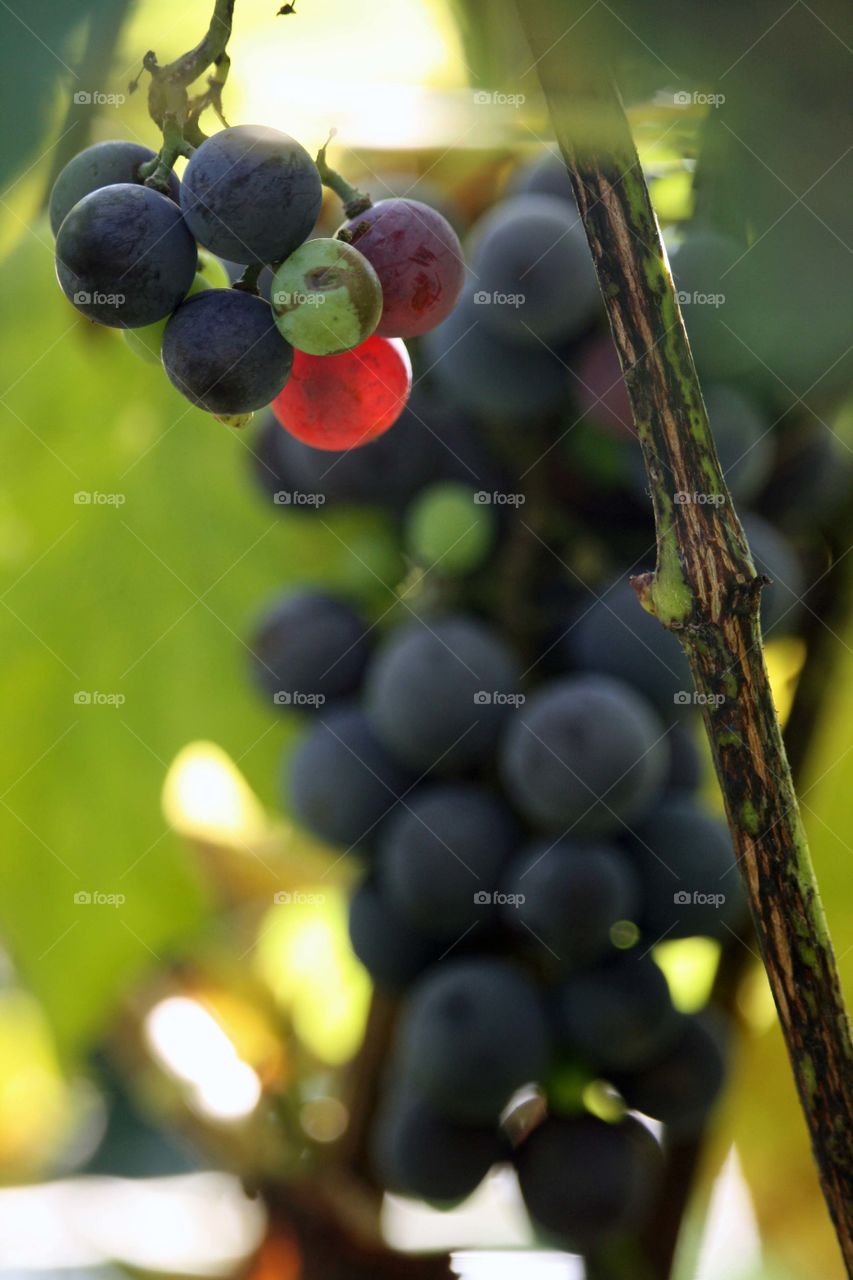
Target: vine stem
column 704, row 587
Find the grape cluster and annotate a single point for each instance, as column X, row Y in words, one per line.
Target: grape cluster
column 322, row 341
column 517, row 778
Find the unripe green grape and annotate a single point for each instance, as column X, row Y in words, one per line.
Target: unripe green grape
column 147, row 341
column 326, row 298
column 448, row 529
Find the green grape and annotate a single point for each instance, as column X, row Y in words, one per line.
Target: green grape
column 326, row 298
column 211, row 268
column 447, row 528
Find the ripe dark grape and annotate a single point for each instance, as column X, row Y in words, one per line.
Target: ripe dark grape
column 309, row 649
column 690, row 884
column 448, row 530
column 570, row 894
column 473, row 1032
column 102, row 165
column 488, row 376
column 417, row 1152
column 326, row 297
column 392, row 951
column 681, row 1086
column 534, row 280
column 418, row 259
column 616, row 1017
column 585, row 1181
column 586, row 754
column 251, row 194
column 773, row 555
column 124, row 256
column 438, row 691
column 708, row 295
column 347, row 400
column 618, row 637
column 441, row 857
column 599, row 387
column 223, row 352
column 341, row 782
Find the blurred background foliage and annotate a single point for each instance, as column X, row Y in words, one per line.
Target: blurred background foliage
column 147, row 596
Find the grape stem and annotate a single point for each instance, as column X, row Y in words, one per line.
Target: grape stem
column 705, row 588
column 353, row 200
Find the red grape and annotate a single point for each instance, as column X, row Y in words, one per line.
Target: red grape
column 418, row 258
column 345, row 400
column 600, row 388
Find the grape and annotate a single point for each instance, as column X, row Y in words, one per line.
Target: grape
column 772, row 554
column 812, row 472
column 488, row 376
column 102, row 165
column 617, row 636
column 147, row 342
column 686, row 863
column 686, row 761
column 344, row 401
column 473, row 1032
column 707, row 292
column 535, row 281
column 417, row 1152
column 616, row 1017
column 390, row 948
column 124, row 256
column 326, row 298
column 223, row 352
column 341, row 782
column 438, row 691
column 584, row 1181
column 544, row 175
column 251, row 194
column 585, row 753
column 448, row 530
column 441, row 857
column 681, row 1086
column 418, row 259
column 600, row 389
column 571, row 895
column 308, row 649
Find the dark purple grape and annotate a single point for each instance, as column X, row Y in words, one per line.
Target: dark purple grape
column 102, row 165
